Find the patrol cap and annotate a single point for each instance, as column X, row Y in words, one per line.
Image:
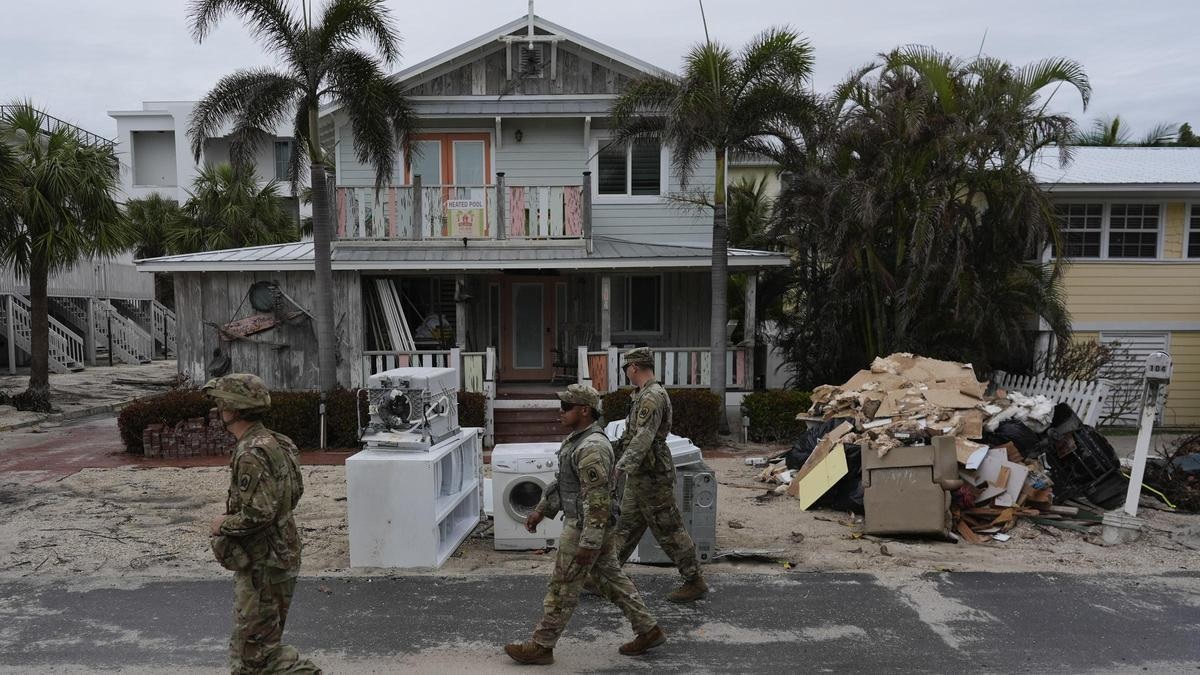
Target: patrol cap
column 580, row 394
column 641, row 356
column 239, row 391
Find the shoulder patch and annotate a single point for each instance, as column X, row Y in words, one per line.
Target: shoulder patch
column 244, row 483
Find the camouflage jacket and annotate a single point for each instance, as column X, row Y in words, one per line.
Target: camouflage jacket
column 642, row 448
column 265, row 486
column 583, row 488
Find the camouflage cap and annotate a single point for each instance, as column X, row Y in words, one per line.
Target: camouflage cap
column 580, row 394
column 641, row 356
column 239, row 391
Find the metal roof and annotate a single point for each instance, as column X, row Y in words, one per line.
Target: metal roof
column 400, row 256
column 1106, row 167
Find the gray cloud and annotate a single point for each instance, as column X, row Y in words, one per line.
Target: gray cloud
column 81, row 58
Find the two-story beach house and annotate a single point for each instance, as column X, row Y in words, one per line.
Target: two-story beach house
column 517, row 244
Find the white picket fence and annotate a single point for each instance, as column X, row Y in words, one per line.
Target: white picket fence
column 675, row 367
column 1085, row 398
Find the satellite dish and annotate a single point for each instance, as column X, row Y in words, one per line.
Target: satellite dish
column 264, row 296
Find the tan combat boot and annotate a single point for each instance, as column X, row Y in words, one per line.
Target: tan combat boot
column 644, row 642
column 690, row 591
column 529, row 653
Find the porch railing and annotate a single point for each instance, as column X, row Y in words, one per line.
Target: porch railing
column 477, row 372
column 480, row 212
column 675, row 367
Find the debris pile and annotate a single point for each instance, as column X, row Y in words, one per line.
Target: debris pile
column 987, row 458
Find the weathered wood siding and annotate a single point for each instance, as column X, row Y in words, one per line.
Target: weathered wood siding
column 685, row 315
column 485, row 73
column 220, row 297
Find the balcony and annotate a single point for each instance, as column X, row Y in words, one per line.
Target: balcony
column 455, row 212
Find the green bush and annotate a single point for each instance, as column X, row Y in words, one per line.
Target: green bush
column 695, row 412
column 168, row 409
column 773, row 414
column 293, row 413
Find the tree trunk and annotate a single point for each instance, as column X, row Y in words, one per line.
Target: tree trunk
column 720, row 287
column 323, row 311
column 39, row 334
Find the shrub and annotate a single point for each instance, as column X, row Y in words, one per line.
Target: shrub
column 695, row 412
column 167, row 409
column 293, row 413
column 773, row 414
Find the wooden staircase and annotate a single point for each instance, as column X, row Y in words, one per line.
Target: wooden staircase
column 66, row 349
column 528, row 425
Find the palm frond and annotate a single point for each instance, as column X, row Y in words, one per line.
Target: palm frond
column 346, row 21
column 270, row 21
column 258, row 98
column 380, row 115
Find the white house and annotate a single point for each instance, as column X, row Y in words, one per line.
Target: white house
column 156, row 153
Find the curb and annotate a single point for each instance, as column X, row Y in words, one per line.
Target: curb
column 76, row 414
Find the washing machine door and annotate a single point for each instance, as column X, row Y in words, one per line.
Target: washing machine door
column 521, row 496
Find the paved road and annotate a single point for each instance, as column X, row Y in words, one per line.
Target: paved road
column 811, row 623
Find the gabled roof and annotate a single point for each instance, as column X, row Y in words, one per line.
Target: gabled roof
column 492, row 37
column 608, row 253
column 1164, row 169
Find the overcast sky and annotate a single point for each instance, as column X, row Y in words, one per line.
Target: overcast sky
column 79, row 59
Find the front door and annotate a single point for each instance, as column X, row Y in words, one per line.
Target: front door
column 527, row 328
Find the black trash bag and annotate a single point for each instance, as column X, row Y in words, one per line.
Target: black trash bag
column 807, row 442
column 1015, row 432
column 846, row 494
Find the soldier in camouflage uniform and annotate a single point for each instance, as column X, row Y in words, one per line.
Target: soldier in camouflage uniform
column 587, row 549
column 257, row 536
column 649, row 496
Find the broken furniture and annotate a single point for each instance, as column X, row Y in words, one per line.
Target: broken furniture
column 907, row 491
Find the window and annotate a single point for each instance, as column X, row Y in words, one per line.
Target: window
column 283, row 158
column 1080, row 225
column 643, row 304
column 1193, row 249
column 1133, row 231
column 631, row 170
column 1110, row 231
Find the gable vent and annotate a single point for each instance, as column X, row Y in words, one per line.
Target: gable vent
column 532, row 60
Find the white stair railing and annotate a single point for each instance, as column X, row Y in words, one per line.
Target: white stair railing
column 163, row 322
column 130, row 343
column 65, row 348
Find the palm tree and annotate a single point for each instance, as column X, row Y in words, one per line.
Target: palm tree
column 321, row 63
column 1112, row 131
column 751, row 101
column 152, row 219
column 58, row 193
column 228, row 209
column 919, row 215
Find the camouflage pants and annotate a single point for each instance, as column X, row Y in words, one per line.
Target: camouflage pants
column 649, row 502
column 562, row 593
column 260, row 609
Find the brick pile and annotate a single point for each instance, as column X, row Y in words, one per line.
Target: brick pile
column 189, row 438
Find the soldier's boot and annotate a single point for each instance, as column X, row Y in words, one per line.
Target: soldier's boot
column 644, row 642
column 690, row 591
column 529, row 653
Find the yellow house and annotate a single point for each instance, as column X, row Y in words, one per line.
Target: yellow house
column 1130, row 220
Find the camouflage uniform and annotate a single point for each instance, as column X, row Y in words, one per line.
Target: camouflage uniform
column 583, row 492
column 649, row 496
column 265, row 486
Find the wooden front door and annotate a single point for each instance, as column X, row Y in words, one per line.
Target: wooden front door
column 528, row 330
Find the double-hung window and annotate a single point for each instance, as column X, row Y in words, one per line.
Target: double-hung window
column 1193, row 245
column 1119, row 230
column 283, row 157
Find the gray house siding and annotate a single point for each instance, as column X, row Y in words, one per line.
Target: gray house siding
column 203, row 299
column 551, row 152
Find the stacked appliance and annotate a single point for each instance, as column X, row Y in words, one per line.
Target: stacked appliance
column 695, row 494
column 414, row 492
column 521, row 472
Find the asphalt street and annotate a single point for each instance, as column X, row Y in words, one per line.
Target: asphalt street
column 962, row 622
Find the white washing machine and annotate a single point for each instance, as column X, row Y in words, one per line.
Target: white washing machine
column 520, row 474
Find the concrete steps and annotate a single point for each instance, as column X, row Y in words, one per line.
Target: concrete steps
column 528, row 425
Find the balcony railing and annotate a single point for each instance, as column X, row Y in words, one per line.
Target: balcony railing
column 497, row 212
column 676, row 367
